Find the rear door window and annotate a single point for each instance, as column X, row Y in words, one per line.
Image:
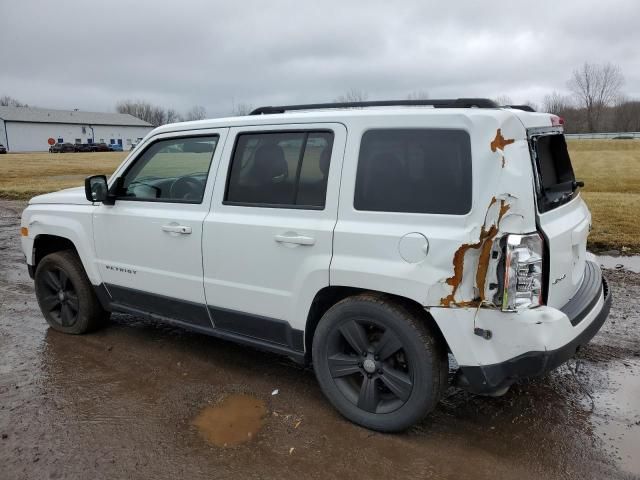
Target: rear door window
column 280, row 169
column 414, row 171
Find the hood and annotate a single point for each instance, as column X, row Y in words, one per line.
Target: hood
column 68, row 196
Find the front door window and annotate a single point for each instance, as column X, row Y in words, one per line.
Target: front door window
column 172, row 170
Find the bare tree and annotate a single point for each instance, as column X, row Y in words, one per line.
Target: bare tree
column 197, row 112
column 7, row 101
column 173, row 116
column 556, row 103
column 418, row 95
column 503, row 100
column 625, row 115
column 353, row 95
column 156, row 116
column 596, row 87
column 240, row 109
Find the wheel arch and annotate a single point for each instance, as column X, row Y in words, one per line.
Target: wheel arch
column 329, row 296
column 47, row 243
column 54, row 228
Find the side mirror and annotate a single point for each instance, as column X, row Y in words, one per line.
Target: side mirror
column 96, row 189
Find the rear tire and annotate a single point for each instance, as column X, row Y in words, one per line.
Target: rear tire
column 379, row 363
column 65, row 294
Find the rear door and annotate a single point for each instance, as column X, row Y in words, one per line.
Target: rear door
column 267, row 241
column 562, row 215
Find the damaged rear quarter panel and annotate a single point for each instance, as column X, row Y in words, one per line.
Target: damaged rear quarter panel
column 503, row 203
column 366, row 244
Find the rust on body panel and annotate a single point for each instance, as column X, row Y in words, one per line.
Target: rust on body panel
column 499, row 143
column 483, row 245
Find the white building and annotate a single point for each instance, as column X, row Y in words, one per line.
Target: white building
column 24, row 129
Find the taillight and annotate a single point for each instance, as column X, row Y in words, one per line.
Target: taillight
column 557, row 121
column 523, row 272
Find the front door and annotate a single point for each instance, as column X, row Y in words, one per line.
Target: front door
column 148, row 244
column 267, row 241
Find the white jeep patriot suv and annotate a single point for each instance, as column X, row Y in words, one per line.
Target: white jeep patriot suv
column 369, row 239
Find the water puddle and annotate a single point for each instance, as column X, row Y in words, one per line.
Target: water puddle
column 616, row 417
column 631, row 263
column 237, row 419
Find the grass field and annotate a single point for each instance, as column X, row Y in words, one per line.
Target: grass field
column 23, row 175
column 611, row 172
column 610, row 169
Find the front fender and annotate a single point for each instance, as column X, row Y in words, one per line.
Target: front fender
column 74, row 223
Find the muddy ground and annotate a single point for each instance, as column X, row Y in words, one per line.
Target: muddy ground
column 142, row 400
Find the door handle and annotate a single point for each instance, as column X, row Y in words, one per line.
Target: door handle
column 183, row 229
column 295, row 239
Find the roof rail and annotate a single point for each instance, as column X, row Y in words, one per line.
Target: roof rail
column 451, row 103
column 526, row 108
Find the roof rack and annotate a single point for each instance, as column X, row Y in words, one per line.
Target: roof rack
column 451, row 103
column 526, row 108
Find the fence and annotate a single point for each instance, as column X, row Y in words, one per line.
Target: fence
column 603, row 136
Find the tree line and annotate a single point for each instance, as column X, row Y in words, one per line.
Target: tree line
column 157, row 115
column 595, row 103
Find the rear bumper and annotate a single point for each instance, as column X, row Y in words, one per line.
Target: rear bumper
column 593, row 294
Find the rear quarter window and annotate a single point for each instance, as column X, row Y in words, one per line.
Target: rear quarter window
column 414, row 171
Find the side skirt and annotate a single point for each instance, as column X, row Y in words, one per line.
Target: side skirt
column 262, row 333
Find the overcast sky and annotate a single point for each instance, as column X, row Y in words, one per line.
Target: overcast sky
column 90, row 54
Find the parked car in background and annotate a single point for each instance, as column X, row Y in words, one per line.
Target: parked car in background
column 62, row 148
column 83, row 147
column 115, row 147
column 99, row 147
column 3, row 149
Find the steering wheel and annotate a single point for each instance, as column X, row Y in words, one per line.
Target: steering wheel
column 187, row 188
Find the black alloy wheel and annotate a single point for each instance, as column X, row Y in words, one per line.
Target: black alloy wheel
column 59, row 298
column 66, row 297
column 369, row 366
column 380, row 361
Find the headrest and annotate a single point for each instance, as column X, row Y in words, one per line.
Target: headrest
column 270, row 164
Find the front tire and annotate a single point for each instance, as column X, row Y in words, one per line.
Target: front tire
column 379, row 363
column 65, row 295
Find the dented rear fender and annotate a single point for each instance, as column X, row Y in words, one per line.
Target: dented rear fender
column 503, row 204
